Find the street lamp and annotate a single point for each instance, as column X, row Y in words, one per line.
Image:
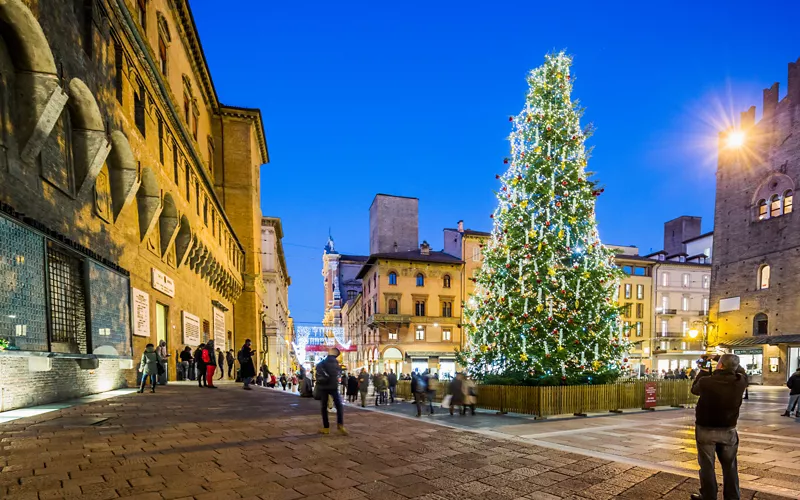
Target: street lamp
column 693, row 333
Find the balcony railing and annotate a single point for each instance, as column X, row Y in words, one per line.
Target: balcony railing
column 670, row 312
column 403, row 319
column 670, row 335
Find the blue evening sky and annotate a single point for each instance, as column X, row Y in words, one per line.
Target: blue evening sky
column 413, row 98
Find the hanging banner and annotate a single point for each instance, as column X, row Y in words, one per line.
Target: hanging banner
column 219, row 328
column 141, row 313
column 191, row 329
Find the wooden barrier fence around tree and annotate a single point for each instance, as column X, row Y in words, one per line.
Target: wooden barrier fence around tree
column 571, row 399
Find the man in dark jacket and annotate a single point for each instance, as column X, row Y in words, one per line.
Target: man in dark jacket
column 794, row 393
column 200, row 365
column 328, row 374
column 716, row 416
column 392, row 379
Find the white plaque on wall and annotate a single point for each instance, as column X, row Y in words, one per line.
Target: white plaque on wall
column 191, row 329
column 141, row 313
column 163, row 283
column 727, row 305
column 219, row 328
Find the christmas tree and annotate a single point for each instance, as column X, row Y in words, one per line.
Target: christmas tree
column 544, row 309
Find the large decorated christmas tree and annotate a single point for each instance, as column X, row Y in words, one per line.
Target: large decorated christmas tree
column 544, row 310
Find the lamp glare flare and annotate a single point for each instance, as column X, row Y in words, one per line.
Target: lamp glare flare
column 735, row 139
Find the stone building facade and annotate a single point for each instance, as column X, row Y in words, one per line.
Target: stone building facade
column 276, row 283
column 130, row 198
column 755, row 298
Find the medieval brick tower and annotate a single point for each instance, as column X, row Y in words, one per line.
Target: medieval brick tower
column 755, row 295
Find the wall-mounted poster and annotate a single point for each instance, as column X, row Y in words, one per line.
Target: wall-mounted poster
column 141, row 313
column 219, row 328
column 191, row 329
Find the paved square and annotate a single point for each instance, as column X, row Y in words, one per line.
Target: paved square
column 186, row 442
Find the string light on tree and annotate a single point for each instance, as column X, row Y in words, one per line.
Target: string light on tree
column 546, row 309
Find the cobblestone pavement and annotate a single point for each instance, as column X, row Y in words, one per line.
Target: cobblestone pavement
column 186, row 442
column 769, row 453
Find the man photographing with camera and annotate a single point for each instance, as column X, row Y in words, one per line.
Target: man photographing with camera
column 716, row 415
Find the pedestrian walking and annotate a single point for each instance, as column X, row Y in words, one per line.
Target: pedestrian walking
column 794, row 393
column 186, row 362
column 343, row 382
column 229, row 357
column 430, row 392
column 391, row 380
column 210, row 362
column 328, row 376
column 363, row 386
column 471, row 393
column 457, row 396
column 381, row 389
column 283, row 381
column 716, row 415
column 419, row 386
column 149, row 364
column 200, row 366
column 161, row 350
column 246, row 365
column 294, row 382
column 221, row 363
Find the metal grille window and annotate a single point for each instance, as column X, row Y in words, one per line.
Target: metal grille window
column 67, row 300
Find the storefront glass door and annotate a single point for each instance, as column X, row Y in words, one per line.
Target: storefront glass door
column 793, row 360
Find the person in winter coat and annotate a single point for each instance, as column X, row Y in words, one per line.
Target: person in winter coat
column 149, row 367
column 161, row 350
column 246, row 364
column 229, row 357
column 283, row 381
column 456, row 391
column 794, row 393
column 381, row 389
column 294, row 382
column 186, row 362
column 328, row 376
column 391, row 379
column 352, row 388
column 470, row 394
column 211, row 365
column 343, row 382
column 363, row 386
column 221, row 363
column 200, row 365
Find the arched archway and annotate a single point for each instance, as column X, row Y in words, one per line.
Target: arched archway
column 89, row 144
column 122, row 172
column 25, row 38
column 148, row 202
column 168, row 223
column 183, row 241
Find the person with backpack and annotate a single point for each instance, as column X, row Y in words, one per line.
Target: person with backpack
column 794, row 393
column 328, row 374
column 200, row 366
column 210, row 361
column 247, row 367
column 149, row 367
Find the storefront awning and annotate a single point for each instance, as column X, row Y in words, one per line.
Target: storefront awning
column 762, row 340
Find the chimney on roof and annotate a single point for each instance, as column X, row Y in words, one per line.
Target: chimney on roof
column 424, row 248
column 461, row 226
column 770, row 101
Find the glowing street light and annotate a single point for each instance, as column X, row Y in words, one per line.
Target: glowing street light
column 735, row 139
column 693, row 333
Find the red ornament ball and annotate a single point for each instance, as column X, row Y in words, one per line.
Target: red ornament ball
column 563, row 183
column 505, row 160
column 624, row 360
column 496, row 176
column 511, row 118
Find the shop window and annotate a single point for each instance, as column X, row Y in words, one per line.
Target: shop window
column 763, row 277
column 446, row 281
column 392, row 306
column 392, row 278
column 420, row 280
column 760, row 324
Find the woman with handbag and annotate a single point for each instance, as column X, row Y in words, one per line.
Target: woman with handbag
column 150, row 366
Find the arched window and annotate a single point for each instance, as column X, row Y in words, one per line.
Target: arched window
column 762, row 209
column 419, row 308
column 763, row 277
column 775, row 206
column 420, row 280
column 446, row 281
column 392, row 278
column 760, row 324
column 392, row 306
column 787, row 202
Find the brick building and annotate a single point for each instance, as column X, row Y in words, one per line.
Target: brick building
column 130, row 196
column 755, row 298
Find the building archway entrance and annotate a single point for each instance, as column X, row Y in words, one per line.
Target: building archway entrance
column 393, row 360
